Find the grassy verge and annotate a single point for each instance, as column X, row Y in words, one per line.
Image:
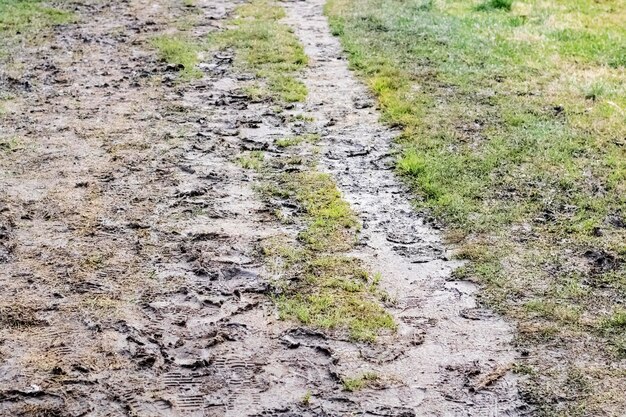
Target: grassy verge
column 267, row 47
column 514, row 118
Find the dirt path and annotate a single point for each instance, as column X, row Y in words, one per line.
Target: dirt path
column 462, row 342
column 132, row 282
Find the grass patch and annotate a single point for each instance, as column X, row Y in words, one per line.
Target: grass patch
column 332, row 225
column 26, row 20
column 306, row 400
column 326, row 289
column 251, row 160
column 267, row 47
column 338, row 310
column 318, row 284
column 29, row 17
column 181, row 51
column 513, row 127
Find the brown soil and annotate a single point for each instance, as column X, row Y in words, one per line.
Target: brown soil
column 131, row 279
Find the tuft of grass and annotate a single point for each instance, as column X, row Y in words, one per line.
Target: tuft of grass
column 338, row 309
column 267, row 47
column 252, row 160
column 333, row 225
column 11, row 144
column 359, row 382
column 297, row 140
column 513, row 127
column 302, row 118
column 496, row 5
column 595, row 91
column 615, row 323
column 179, row 50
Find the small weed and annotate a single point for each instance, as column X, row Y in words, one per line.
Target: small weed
column 94, row 261
column 256, row 92
column 301, row 117
column 577, row 382
column 523, row 369
column 618, row 346
column 595, row 91
column 615, row 323
column 306, row 400
column 178, row 50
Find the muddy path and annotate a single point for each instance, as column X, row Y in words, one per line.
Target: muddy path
column 131, row 277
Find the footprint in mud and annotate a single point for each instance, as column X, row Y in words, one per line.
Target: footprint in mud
column 419, row 253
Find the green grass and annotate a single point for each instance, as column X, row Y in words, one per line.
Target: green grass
column 328, row 290
column 251, row 160
column 359, row 382
column 22, row 20
column 267, row 47
column 296, row 140
column 333, row 224
column 29, row 17
column 319, row 285
column 306, row 400
column 179, row 50
column 514, row 119
column 495, row 5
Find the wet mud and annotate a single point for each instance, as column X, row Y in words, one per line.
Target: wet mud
column 131, row 278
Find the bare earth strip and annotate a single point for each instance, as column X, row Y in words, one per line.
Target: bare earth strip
column 132, row 283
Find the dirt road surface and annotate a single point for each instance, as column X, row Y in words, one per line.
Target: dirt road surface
column 132, row 281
